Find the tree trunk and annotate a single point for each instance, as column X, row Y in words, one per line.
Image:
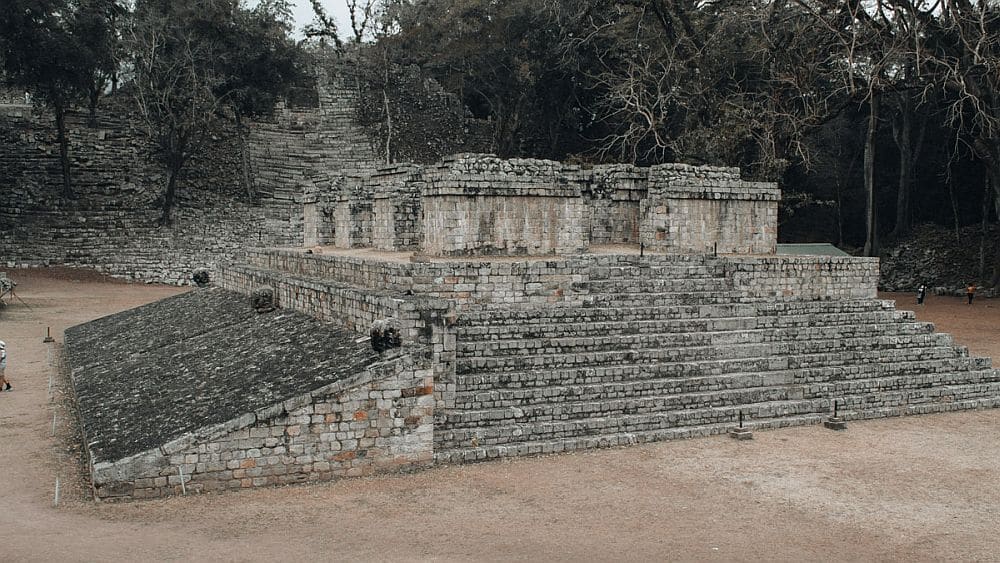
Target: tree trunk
column 247, row 178
column 902, row 131
column 871, row 220
column 388, row 107
column 95, row 96
column 388, row 127
column 168, row 196
column 176, row 157
column 987, row 196
column 995, row 181
column 63, row 149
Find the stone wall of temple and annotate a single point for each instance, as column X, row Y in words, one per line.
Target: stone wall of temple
column 482, row 205
column 705, row 209
column 474, row 284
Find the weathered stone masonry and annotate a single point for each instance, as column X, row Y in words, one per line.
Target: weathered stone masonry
column 222, row 397
column 481, row 205
column 550, row 355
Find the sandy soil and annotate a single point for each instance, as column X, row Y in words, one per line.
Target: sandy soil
column 919, row 488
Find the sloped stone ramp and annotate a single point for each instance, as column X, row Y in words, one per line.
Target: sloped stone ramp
column 200, row 391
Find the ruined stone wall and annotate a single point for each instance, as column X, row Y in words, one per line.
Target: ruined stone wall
column 301, row 151
column 351, row 213
column 704, row 209
column 833, row 278
column 474, row 284
column 397, row 207
column 614, row 193
column 307, row 146
column 317, row 151
column 383, row 423
column 111, row 222
column 481, row 205
column 484, row 205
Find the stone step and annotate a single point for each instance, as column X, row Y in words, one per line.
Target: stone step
column 467, row 453
column 662, row 298
column 713, row 374
column 499, row 432
column 923, row 400
column 690, row 336
column 891, row 348
column 568, row 328
column 600, row 404
column 572, row 408
column 659, row 270
column 556, row 314
column 655, row 285
column 915, row 373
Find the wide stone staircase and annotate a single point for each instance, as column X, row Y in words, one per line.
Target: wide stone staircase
column 672, row 350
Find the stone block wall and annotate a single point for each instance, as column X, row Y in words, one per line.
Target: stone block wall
column 296, row 155
column 705, row 210
column 479, row 205
column 484, row 205
column 613, row 194
column 312, row 148
column 805, row 277
column 111, row 223
column 352, row 213
column 396, row 209
column 475, row 285
column 379, row 422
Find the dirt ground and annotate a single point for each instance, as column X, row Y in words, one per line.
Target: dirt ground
column 919, row 488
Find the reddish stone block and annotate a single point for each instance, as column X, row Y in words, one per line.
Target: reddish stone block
column 345, row 456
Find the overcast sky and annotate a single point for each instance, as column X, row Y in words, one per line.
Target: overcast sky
column 336, row 8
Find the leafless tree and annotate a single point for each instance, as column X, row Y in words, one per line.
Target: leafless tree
column 173, row 94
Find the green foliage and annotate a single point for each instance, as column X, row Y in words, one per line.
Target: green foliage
column 503, row 59
column 54, row 49
column 198, row 61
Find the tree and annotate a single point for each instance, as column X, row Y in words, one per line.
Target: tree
column 257, row 64
column 196, row 62
column 97, row 24
column 963, row 52
column 736, row 83
column 503, row 59
column 44, row 51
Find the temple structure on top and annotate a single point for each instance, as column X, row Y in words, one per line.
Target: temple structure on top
column 482, row 205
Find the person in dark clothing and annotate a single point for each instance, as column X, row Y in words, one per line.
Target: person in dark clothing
column 921, row 293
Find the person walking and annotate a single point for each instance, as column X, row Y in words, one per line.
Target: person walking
column 921, row 293
column 4, row 384
column 970, row 292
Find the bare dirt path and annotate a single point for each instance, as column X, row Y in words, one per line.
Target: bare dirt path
column 919, row 488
